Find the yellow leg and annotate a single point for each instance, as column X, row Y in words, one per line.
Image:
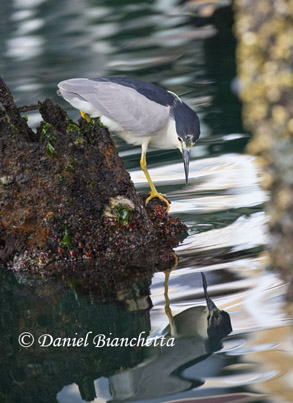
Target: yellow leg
column 85, row 116
column 153, row 193
column 167, row 300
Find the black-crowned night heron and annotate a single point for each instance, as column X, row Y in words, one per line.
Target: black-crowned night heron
column 140, row 113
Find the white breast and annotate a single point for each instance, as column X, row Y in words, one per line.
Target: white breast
column 164, row 139
column 167, row 138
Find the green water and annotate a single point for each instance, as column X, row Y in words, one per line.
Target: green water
column 168, row 43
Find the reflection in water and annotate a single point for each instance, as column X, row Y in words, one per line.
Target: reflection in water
column 209, row 323
column 37, row 374
column 197, row 331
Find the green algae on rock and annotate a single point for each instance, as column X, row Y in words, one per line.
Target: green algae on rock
column 69, row 205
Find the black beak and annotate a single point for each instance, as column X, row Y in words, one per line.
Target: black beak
column 186, row 158
column 211, row 305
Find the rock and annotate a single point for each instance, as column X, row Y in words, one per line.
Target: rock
column 73, row 209
column 6, row 180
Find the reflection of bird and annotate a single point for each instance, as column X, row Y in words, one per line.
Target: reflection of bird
column 140, row 113
column 198, row 332
column 207, row 322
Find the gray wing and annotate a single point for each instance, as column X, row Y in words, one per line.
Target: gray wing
column 132, row 110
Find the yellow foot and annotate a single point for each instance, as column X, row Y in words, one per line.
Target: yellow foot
column 159, row 196
column 85, row 116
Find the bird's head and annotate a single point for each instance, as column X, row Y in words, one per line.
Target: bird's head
column 218, row 321
column 188, row 130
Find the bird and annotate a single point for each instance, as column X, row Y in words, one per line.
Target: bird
column 139, row 112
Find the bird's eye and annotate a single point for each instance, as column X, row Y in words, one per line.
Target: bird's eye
column 180, row 139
